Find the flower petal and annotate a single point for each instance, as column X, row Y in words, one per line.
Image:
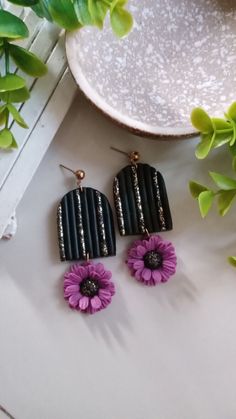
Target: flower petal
column 132, row 253
column 79, row 271
column 106, row 275
column 111, row 288
column 71, row 289
column 76, row 278
column 100, row 268
column 83, row 303
column 151, row 243
column 136, row 243
column 139, row 264
column 141, row 250
column 72, row 281
column 91, row 271
column 133, row 260
column 164, row 275
column 104, row 294
column 156, row 276
column 169, row 265
column 73, row 300
column 146, row 274
column 95, row 302
column 138, row 274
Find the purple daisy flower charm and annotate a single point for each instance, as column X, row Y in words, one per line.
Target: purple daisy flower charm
column 152, row 260
column 88, row 287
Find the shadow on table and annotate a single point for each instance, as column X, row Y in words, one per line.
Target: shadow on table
column 111, row 323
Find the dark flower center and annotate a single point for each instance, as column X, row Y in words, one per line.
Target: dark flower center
column 152, row 260
column 89, row 287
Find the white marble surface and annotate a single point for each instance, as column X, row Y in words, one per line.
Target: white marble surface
column 157, row 353
column 180, row 54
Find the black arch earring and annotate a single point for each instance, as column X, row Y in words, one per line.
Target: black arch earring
column 86, row 231
column 142, row 208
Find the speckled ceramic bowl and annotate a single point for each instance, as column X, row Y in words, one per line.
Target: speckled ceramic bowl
column 180, row 54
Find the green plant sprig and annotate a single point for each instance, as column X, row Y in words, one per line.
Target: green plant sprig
column 70, row 15
column 73, row 14
column 215, row 132
column 12, row 87
column 225, row 194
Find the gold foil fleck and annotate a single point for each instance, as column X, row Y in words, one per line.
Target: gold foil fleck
column 101, row 226
column 61, row 234
column 118, row 206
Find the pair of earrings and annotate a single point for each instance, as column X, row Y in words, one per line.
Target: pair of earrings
column 86, row 231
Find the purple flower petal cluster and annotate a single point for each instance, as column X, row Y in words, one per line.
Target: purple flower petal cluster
column 88, row 287
column 152, row 260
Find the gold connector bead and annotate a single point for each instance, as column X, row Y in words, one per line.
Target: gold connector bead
column 80, row 174
column 134, row 156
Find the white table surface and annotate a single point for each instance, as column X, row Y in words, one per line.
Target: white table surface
column 156, row 353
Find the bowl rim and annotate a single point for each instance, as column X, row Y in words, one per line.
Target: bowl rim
column 134, row 126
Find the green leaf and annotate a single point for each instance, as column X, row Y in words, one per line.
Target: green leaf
column 64, row 14
column 234, row 163
column 14, row 143
column 3, row 117
column 233, row 139
column 82, row 12
column 232, row 261
column 221, row 125
column 121, row 21
column 222, row 138
column 114, row 4
column 16, row 96
column 223, row 182
column 25, row 3
column 205, row 145
column 119, row 3
column 201, row 121
column 225, row 200
column 97, row 10
column 11, row 27
column 232, row 149
column 2, row 108
column 41, row 9
column 5, row 138
column 27, row 61
column 17, row 116
column 233, row 124
column 205, row 201
column 72, row 14
column 11, row 82
column 196, row 189
column 232, row 111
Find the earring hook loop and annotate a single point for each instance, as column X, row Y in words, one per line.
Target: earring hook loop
column 134, row 156
column 79, row 174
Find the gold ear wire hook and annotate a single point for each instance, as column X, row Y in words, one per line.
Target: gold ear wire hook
column 79, row 174
column 134, row 156
column 67, row 168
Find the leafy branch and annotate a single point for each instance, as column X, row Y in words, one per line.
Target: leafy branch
column 12, row 87
column 215, row 132
column 73, row 14
column 68, row 14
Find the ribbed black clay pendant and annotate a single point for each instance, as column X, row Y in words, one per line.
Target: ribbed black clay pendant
column 142, row 208
column 86, row 231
